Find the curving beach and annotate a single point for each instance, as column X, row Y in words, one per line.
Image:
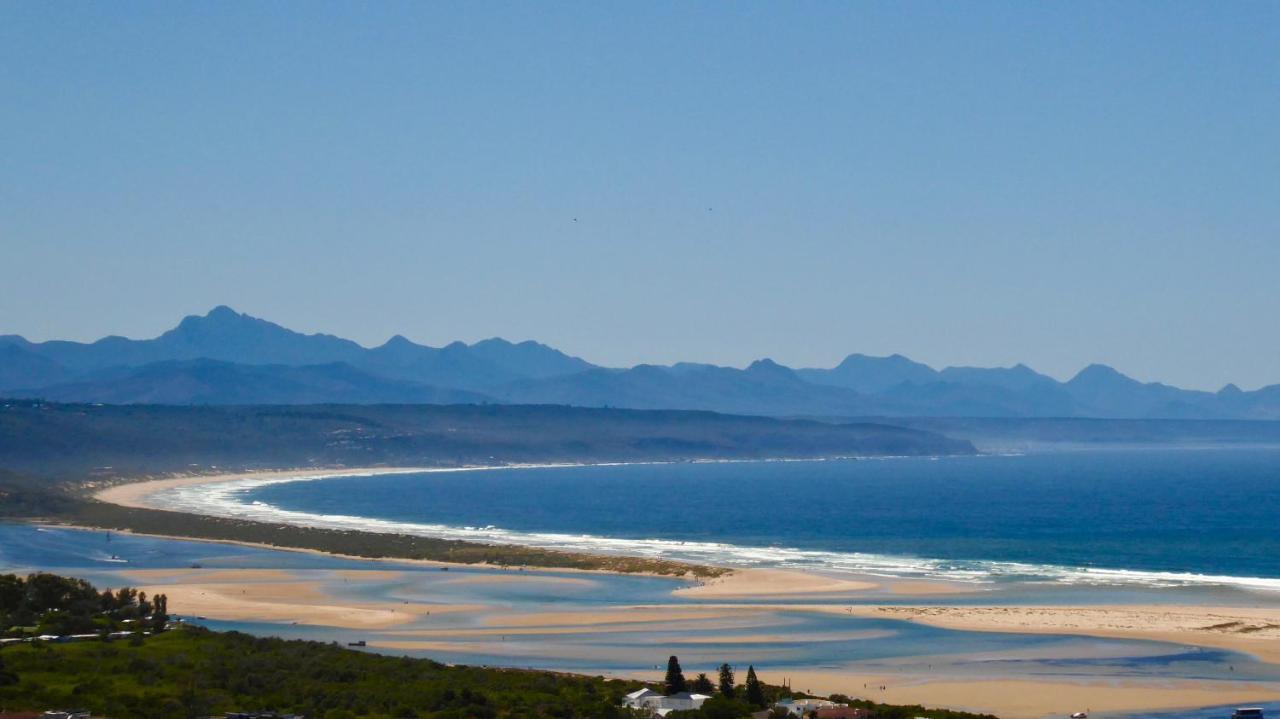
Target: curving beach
column 721, row 607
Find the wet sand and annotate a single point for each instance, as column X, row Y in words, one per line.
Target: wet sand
column 751, row 583
column 270, row 595
column 1252, row 631
column 1033, row 699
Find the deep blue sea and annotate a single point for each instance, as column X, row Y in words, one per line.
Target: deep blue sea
column 1140, row 516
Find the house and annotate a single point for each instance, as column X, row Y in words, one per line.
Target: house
column 661, row 705
column 683, row 701
column 636, row 699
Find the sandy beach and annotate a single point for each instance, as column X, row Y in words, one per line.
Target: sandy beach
column 271, row 595
column 713, row 606
column 134, row 494
column 744, row 584
column 310, row 597
column 1034, row 699
column 1254, row 631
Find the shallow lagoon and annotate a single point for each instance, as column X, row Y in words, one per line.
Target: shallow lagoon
column 739, row 632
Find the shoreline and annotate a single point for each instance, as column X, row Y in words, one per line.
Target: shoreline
column 721, row 557
column 410, row 561
column 1251, row 631
column 131, row 496
column 132, row 493
column 314, row 597
column 317, row 597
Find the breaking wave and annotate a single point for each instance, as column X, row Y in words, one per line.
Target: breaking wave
column 228, row 499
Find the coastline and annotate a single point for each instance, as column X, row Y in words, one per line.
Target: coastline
column 1256, row 631
column 134, row 493
column 439, row 623
column 124, row 507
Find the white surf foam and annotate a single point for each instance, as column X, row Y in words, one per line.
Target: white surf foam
column 227, row 499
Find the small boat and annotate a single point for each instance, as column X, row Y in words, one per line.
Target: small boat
column 1080, row 715
column 1247, row 713
column 197, row 565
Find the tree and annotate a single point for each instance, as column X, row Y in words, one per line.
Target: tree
column 6, row 677
column 755, row 691
column 723, row 708
column 675, row 677
column 726, row 681
column 160, row 613
column 702, row 684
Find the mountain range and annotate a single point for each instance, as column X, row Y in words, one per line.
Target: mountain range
column 226, row 357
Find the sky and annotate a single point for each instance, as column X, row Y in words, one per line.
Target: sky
column 978, row 183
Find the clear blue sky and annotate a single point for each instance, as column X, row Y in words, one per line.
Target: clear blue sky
column 1055, row 183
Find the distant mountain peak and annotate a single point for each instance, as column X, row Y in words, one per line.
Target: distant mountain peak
column 500, row 342
column 1230, row 389
column 858, row 358
column 398, row 341
column 1097, row 373
column 222, row 318
column 766, row 367
column 222, row 311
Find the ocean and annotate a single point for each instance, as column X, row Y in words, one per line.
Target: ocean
column 1187, row 517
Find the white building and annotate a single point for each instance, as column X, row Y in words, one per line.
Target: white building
column 637, row 698
column 662, row 705
column 683, row 701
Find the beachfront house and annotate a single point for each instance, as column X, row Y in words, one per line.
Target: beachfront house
column 637, row 698
column 684, row 701
column 660, row 705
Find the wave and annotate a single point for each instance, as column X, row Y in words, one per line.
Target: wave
column 226, row 499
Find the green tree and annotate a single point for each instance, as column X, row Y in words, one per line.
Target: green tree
column 723, row 708
column 160, row 614
column 702, row 684
column 755, row 690
column 726, row 681
column 6, row 677
column 675, row 677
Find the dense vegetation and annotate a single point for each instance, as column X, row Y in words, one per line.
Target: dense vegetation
column 193, row 672
column 47, row 604
column 71, row 440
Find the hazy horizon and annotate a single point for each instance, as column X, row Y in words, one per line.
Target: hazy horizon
column 570, row 352
column 976, row 185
